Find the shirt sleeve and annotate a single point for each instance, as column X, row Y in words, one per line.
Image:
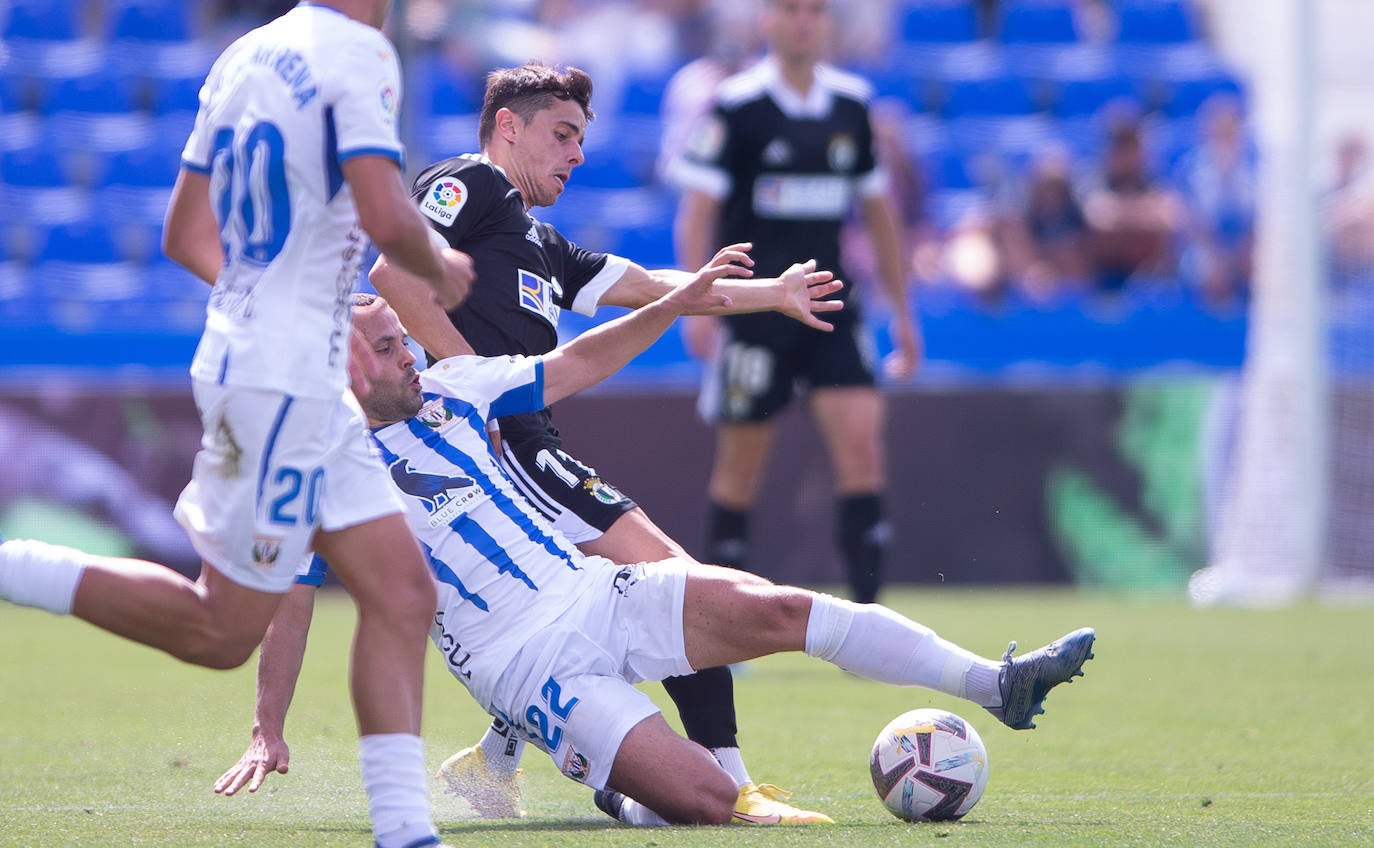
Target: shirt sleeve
column 706, row 161
column 368, row 103
column 495, row 385
column 200, row 145
column 584, row 274
column 455, row 200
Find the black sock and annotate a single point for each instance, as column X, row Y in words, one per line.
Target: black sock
column 727, row 536
column 863, row 540
column 706, row 704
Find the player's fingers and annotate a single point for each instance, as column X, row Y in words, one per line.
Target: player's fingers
column 234, row 782
column 818, row 277
column 740, row 262
column 739, row 247
column 825, row 289
column 815, row 323
column 260, row 772
column 826, row 305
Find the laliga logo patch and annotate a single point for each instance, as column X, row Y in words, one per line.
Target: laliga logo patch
column 387, row 97
column 444, row 199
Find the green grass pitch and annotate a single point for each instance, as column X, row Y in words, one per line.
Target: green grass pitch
column 1191, row 728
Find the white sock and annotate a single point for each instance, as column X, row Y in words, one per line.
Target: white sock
column 874, row 642
column 393, row 766
column 503, row 748
column 37, row 574
column 634, row 813
column 732, row 761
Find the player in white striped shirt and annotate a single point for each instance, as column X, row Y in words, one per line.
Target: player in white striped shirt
column 552, row 641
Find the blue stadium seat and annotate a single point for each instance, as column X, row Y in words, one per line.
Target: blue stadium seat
column 173, row 94
column 1182, row 99
column 445, row 90
column 1156, row 22
column 41, row 20
column 101, row 92
column 148, row 21
column 85, row 241
column 948, row 169
column 606, row 170
column 1037, row 23
column 39, row 166
column 1081, row 98
column 643, row 94
column 938, row 22
column 96, row 111
column 997, row 96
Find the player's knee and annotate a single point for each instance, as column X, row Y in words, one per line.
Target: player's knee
column 218, row 648
column 711, row 802
column 407, row 602
column 784, row 612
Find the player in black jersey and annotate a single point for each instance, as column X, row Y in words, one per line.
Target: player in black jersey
column 533, row 121
column 781, row 161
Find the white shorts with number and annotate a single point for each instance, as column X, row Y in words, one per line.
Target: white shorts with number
column 570, row 690
column 273, row 468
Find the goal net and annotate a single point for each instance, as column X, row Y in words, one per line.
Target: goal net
column 1298, row 513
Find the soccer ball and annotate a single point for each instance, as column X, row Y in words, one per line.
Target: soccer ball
column 929, row 765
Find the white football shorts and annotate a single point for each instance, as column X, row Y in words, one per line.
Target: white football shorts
column 570, row 690
column 273, row 468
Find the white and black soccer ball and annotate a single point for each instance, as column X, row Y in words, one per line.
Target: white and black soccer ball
column 929, row 765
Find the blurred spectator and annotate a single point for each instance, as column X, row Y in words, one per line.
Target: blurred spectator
column 1044, row 233
column 1349, row 212
column 228, row 19
column 1132, row 219
column 1218, row 183
column 733, row 41
column 909, row 189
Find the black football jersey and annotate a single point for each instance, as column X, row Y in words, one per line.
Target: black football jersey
column 787, row 171
column 526, row 271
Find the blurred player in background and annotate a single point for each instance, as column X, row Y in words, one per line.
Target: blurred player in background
column 781, row 161
column 293, row 162
column 533, row 121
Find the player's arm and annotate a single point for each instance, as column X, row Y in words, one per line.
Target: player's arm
column 603, row 350
column 801, row 298
column 880, row 217
column 424, row 320
column 279, row 666
column 190, row 232
column 398, row 231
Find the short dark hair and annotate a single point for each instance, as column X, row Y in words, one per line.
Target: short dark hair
column 532, row 88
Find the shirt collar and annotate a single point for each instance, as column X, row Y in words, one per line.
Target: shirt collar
column 814, row 104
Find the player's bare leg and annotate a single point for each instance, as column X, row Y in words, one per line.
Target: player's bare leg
column 700, row 791
column 730, row 616
column 380, row 563
column 213, row 622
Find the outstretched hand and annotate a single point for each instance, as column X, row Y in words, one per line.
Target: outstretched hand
column 263, row 757
column 699, row 295
column 804, row 293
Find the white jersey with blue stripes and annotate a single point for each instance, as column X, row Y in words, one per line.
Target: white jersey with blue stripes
column 502, row 571
column 280, row 112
